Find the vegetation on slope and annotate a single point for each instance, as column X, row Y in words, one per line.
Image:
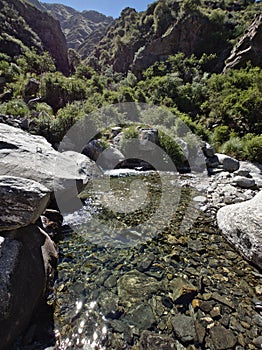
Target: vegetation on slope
column 224, row 109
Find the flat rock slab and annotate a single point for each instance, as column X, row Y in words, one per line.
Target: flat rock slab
column 32, row 157
column 241, row 224
column 22, row 202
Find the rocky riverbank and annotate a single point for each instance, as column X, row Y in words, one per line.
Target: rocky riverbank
column 27, row 254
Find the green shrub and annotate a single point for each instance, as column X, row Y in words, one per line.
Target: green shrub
column 171, row 148
column 131, row 132
column 253, row 149
column 234, row 147
column 17, row 108
column 220, row 135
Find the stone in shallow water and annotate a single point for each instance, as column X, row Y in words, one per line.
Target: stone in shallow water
column 258, row 342
column 134, row 286
column 222, row 338
column 140, row 316
column 184, row 328
column 183, row 290
column 154, row 341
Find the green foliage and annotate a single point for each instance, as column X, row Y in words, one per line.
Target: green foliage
column 162, row 17
column 235, row 99
column 171, row 148
column 33, row 62
column 253, row 149
column 58, row 90
column 220, row 134
column 249, row 147
column 131, row 132
column 15, row 107
column 233, row 147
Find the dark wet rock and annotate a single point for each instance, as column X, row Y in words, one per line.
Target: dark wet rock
column 222, row 338
column 241, row 226
column 108, row 304
column 27, row 261
column 229, row 164
column 208, row 150
column 206, row 306
column 110, row 282
column 134, row 286
column 184, row 328
column 244, row 182
column 141, row 316
column 200, row 331
column 31, row 89
column 258, row 342
column 154, row 341
column 22, row 202
column 145, row 262
column 223, row 300
column 182, row 290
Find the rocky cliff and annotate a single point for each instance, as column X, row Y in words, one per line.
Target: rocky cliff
column 136, row 40
column 78, row 27
column 24, row 26
column 248, row 48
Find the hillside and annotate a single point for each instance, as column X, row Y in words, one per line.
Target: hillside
column 24, row 27
column 136, row 40
column 80, row 28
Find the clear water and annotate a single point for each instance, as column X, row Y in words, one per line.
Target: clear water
column 162, row 236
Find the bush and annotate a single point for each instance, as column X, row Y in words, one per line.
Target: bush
column 17, row 108
column 253, row 149
column 234, row 147
column 171, row 148
column 220, row 135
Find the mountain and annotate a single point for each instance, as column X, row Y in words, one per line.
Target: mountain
column 78, row 27
column 24, row 26
column 137, row 40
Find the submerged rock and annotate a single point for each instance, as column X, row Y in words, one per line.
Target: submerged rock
column 134, row 286
column 184, row 328
column 154, row 341
column 222, row 338
column 241, row 226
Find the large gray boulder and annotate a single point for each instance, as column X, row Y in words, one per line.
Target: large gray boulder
column 228, row 163
column 27, row 260
column 241, row 224
column 22, row 202
column 32, row 157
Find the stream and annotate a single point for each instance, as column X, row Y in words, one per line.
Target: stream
column 142, row 267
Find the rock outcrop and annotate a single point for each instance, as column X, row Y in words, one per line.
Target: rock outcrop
column 241, row 225
column 248, row 48
column 28, row 258
column 32, row 157
column 32, row 28
column 30, row 172
column 22, row 202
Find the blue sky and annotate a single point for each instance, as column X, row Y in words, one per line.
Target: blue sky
column 107, row 7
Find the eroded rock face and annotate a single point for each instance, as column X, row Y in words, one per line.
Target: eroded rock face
column 248, row 48
column 26, row 265
column 22, row 202
column 32, row 157
column 241, row 226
